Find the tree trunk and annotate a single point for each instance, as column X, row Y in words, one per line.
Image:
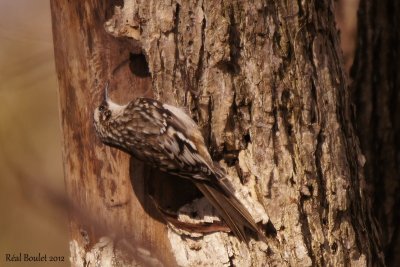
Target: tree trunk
column 376, row 95
column 266, row 84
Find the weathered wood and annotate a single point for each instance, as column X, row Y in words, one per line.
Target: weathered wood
column 98, row 177
column 265, row 81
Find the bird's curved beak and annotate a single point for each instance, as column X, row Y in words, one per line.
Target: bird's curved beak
column 106, row 99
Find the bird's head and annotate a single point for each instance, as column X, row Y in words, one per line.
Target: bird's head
column 106, row 116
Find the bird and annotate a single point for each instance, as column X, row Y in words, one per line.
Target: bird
column 167, row 138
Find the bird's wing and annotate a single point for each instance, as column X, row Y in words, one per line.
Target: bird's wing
column 176, row 138
column 184, row 143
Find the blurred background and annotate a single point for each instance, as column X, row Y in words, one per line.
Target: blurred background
column 30, row 136
column 31, row 177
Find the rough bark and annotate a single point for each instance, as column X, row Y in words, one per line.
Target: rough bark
column 376, row 95
column 265, row 82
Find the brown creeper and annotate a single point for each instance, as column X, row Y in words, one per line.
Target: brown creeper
column 167, row 138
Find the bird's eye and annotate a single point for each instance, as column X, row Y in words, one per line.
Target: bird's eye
column 102, row 108
column 107, row 114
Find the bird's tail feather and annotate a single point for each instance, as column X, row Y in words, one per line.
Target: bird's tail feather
column 232, row 211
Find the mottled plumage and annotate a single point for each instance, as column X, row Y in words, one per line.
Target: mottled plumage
column 167, row 138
